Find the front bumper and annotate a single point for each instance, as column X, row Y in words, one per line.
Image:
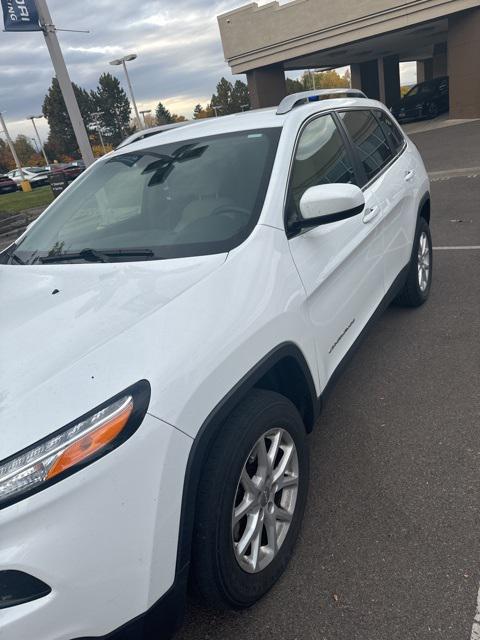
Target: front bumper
column 104, row 540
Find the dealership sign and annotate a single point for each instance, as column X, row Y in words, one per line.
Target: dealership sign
column 20, row 15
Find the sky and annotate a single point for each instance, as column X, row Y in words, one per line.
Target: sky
column 180, row 57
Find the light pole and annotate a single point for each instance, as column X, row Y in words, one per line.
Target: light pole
column 61, row 71
column 123, row 61
column 145, row 113
column 25, row 184
column 96, row 122
column 33, row 118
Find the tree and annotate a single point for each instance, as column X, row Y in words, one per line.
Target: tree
column 294, row 86
column 163, row 115
column 324, row 80
column 26, row 153
column 230, row 98
column 199, row 112
column 6, row 159
column 240, row 97
column 113, row 106
column 61, row 140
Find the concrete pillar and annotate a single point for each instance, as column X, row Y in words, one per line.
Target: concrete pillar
column 424, row 70
column 463, row 57
column 266, row 86
column 440, row 60
column 389, row 80
column 365, row 78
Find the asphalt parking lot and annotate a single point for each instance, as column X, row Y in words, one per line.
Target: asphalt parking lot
column 390, row 548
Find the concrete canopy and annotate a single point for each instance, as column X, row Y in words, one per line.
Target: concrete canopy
column 321, row 33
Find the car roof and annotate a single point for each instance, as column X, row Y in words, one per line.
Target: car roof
column 246, row 121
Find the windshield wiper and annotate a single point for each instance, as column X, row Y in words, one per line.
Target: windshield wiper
column 92, row 255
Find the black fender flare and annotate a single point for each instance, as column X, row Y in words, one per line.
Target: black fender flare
column 209, row 430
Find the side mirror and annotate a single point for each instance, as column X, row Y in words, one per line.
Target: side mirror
column 328, row 203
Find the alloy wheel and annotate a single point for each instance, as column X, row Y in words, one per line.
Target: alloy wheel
column 423, row 262
column 265, row 500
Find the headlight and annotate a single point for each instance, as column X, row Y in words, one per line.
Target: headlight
column 73, row 447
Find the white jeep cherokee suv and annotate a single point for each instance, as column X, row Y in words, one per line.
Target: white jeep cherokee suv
column 170, row 326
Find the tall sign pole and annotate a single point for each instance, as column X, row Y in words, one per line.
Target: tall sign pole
column 64, row 81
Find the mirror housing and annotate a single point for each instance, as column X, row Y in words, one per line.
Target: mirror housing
column 328, row 203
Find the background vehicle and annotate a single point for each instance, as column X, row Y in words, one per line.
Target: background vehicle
column 37, row 176
column 7, row 185
column 189, row 302
column 425, row 100
column 71, row 170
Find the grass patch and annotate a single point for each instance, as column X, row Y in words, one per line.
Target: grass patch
column 11, row 203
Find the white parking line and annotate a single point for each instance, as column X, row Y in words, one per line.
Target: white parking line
column 476, row 621
column 465, row 248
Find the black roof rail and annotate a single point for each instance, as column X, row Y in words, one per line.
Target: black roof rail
column 297, row 99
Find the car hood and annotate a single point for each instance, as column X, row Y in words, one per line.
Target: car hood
column 54, row 317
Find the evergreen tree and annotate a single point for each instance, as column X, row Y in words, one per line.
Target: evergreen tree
column 61, row 140
column 163, row 115
column 230, row 98
column 199, row 112
column 113, row 106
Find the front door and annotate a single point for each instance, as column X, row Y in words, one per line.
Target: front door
column 340, row 264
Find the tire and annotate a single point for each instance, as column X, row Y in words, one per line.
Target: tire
column 222, row 576
column 415, row 292
column 432, row 110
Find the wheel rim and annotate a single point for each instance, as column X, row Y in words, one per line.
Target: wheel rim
column 423, row 262
column 265, row 500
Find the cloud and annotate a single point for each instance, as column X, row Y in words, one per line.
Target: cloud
column 180, row 57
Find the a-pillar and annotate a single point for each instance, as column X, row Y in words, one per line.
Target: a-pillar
column 266, row 86
column 463, row 57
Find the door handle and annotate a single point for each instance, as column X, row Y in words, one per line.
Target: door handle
column 370, row 214
column 409, row 175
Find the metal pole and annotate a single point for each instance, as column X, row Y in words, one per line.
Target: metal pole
column 132, row 96
column 96, row 122
column 12, row 148
column 64, row 82
column 40, row 141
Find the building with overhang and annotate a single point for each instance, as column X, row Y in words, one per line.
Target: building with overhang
column 372, row 36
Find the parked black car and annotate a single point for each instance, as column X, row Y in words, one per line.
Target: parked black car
column 424, row 100
column 7, row 185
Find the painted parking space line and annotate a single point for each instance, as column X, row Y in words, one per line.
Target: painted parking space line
column 476, row 621
column 473, row 247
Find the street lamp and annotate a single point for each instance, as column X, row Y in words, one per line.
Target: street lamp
column 25, row 183
column 96, row 121
column 145, row 113
column 123, row 61
column 33, row 118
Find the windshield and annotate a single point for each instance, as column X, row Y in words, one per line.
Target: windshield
column 421, row 89
column 181, row 199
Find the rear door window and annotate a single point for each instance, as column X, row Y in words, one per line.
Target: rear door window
column 368, row 139
column 393, row 133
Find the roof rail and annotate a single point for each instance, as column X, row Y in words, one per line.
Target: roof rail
column 297, row 99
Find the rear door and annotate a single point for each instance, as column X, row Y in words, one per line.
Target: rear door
column 389, row 176
column 340, row 264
